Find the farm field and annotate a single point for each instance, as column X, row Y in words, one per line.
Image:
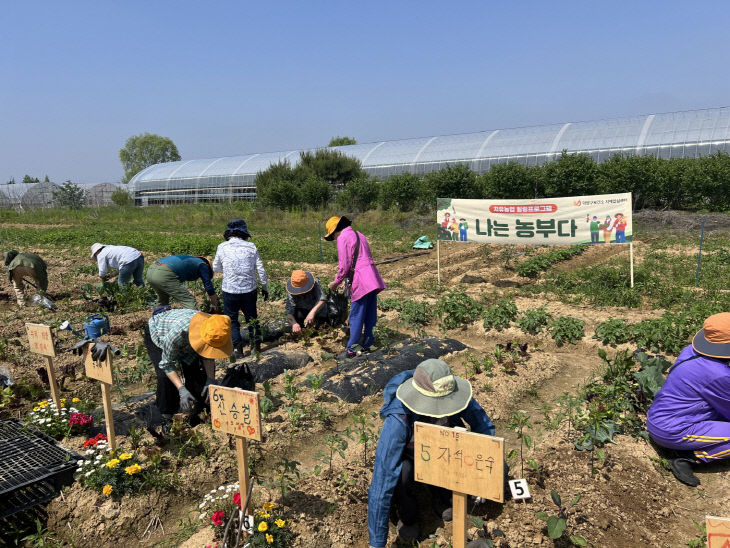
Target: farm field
column 548, row 341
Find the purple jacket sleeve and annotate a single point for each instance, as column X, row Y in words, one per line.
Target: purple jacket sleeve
column 345, row 251
column 717, row 394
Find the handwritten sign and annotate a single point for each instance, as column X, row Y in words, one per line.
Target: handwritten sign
column 235, row 411
column 718, row 532
column 465, row 462
column 101, row 370
column 40, row 339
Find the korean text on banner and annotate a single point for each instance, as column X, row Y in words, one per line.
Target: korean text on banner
column 601, row 219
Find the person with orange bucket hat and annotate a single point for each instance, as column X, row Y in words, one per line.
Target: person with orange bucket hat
column 306, row 303
column 691, row 412
column 358, row 270
column 187, row 341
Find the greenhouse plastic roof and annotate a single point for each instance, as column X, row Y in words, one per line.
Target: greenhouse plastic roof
column 636, row 134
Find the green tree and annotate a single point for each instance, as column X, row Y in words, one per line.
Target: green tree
column 315, row 192
column 69, row 195
column 27, row 179
column 359, row 195
column 400, row 191
column 457, row 181
column 121, row 197
column 570, row 175
column 11, row 181
column 510, row 180
column 144, row 150
column 341, row 141
column 46, row 179
column 330, row 165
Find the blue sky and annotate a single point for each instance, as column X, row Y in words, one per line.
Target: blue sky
column 224, row 78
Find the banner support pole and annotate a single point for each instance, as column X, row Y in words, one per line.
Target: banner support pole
column 631, row 261
column 438, row 259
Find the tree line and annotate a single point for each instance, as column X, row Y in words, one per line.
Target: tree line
column 327, row 176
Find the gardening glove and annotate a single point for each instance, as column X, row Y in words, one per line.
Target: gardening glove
column 204, row 393
column 479, row 500
column 187, row 401
column 78, row 348
column 98, row 351
column 265, row 292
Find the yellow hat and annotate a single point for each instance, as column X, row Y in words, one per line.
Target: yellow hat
column 334, row 224
column 210, row 335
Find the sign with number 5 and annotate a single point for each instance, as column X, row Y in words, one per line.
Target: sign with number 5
column 519, row 489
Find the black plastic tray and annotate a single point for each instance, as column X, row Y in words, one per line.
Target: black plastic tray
column 33, row 467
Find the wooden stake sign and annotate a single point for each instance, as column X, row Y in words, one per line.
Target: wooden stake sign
column 466, row 463
column 718, row 532
column 236, row 412
column 41, row 342
column 102, row 371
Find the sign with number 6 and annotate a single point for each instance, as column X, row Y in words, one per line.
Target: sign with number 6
column 519, row 488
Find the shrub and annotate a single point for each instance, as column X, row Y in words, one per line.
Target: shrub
column 457, row 309
column 532, row 267
column 614, row 331
column 566, row 329
column 360, row 195
column 415, row 313
column 400, row 191
column 500, row 315
column 532, row 321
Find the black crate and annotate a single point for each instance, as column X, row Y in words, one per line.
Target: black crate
column 33, row 467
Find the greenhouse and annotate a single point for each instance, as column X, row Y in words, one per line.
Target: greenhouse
column 101, row 194
column 669, row 135
column 41, row 195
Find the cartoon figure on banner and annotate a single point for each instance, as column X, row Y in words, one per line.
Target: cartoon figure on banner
column 606, row 228
column 443, row 228
column 620, row 226
column 454, row 228
column 463, row 227
column 594, row 228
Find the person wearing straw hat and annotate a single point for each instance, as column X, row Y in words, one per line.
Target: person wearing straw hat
column 357, row 269
column 128, row 262
column 305, row 301
column 27, row 267
column 430, row 393
column 187, row 341
column 691, row 412
column 167, row 276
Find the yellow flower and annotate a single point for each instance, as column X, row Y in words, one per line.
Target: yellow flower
column 266, row 515
column 280, row 523
column 263, row 526
column 269, row 538
column 112, row 463
column 62, row 400
column 107, row 490
column 268, row 506
column 36, row 408
column 125, row 456
column 43, row 403
column 76, row 400
column 132, row 470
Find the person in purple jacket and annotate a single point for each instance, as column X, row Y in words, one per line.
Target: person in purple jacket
column 691, row 412
column 365, row 279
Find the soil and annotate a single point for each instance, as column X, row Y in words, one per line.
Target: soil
column 630, row 500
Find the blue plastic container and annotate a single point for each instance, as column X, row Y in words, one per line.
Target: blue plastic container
column 96, row 326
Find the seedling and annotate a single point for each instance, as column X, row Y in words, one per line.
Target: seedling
column 519, row 422
column 315, row 383
column 363, row 430
column 557, row 524
column 336, row 445
column 291, row 390
column 284, row 476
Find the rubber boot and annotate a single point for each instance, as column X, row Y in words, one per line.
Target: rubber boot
column 681, row 466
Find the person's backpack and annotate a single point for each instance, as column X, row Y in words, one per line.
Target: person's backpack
column 238, row 376
column 337, row 308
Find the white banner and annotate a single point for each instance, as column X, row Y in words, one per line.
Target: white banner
column 601, row 219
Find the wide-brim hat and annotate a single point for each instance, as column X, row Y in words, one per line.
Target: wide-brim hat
column 434, row 391
column 713, row 339
column 210, row 335
column 8, row 256
column 301, row 282
column 95, row 248
column 334, row 224
column 239, row 224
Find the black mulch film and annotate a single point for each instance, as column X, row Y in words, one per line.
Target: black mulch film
column 33, row 467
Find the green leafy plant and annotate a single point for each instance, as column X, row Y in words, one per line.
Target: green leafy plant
column 336, row 445
column 558, row 524
column 457, row 309
column 614, row 331
column 700, row 540
column 566, row 329
column 519, row 422
column 532, row 267
column 363, row 430
column 284, row 476
column 500, row 315
column 532, row 321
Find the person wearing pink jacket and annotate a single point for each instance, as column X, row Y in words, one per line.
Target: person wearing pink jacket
column 365, row 279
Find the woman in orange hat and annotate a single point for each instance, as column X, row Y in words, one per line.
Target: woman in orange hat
column 188, row 341
column 356, row 265
column 691, row 411
column 305, row 301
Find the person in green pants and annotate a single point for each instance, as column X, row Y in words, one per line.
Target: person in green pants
column 167, row 276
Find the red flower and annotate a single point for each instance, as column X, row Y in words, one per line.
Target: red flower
column 217, row 517
column 91, row 442
column 79, row 419
column 237, row 499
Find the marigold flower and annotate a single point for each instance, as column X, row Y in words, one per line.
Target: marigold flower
column 132, row 470
column 268, row 506
column 113, row 463
column 263, row 526
column 269, row 538
column 107, row 490
column 280, row 523
column 125, row 456
column 75, row 400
